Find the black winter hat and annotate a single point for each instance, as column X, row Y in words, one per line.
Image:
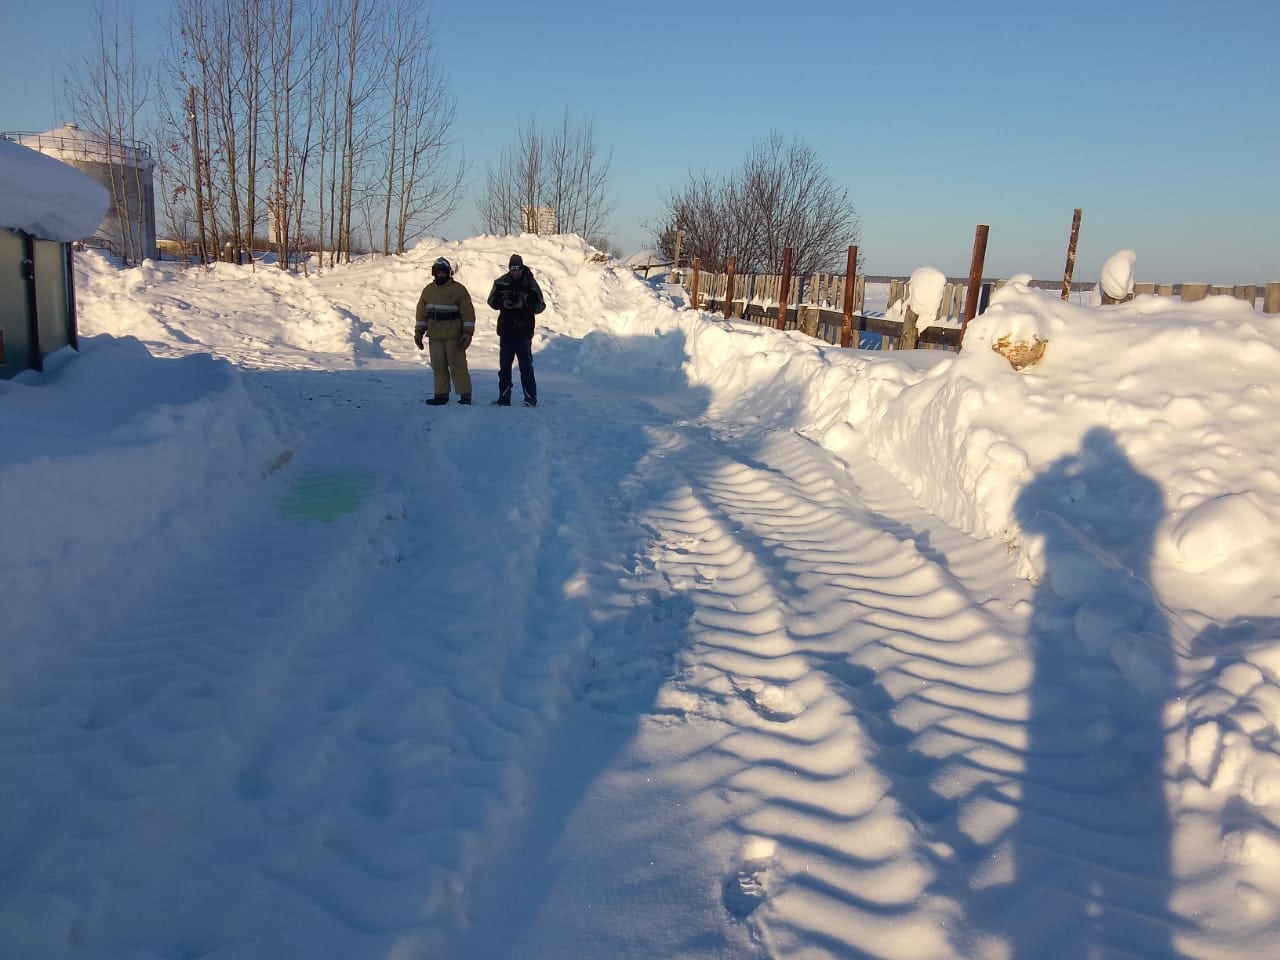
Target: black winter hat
column 515, row 261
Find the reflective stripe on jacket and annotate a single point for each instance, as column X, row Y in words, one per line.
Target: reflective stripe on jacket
column 445, row 311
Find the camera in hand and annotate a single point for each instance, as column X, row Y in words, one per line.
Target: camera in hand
column 513, row 300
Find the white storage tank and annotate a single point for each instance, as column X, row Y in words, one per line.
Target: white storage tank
column 126, row 169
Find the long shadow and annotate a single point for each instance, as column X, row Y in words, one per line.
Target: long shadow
column 1090, row 846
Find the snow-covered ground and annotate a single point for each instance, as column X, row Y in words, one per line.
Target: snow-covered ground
column 738, row 645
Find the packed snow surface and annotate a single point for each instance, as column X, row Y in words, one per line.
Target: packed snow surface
column 738, row 645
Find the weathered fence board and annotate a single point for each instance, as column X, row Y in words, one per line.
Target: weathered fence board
column 816, row 305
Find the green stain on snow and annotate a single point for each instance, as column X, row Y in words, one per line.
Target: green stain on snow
column 326, row 496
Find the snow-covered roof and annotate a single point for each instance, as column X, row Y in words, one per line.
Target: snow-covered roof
column 47, row 198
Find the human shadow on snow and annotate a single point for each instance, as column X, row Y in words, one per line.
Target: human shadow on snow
column 1082, row 867
column 1090, row 846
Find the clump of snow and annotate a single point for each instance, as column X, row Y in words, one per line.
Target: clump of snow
column 925, row 291
column 1211, row 532
column 47, row 198
column 1117, row 275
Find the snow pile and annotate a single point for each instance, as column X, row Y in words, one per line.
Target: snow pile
column 1117, row 275
column 1187, row 389
column 924, row 295
column 110, row 451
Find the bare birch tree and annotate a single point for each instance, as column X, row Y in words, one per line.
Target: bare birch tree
column 563, row 171
column 422, row 182
column 300, row 109
column 107, row 92
column 289, row 47
column 576, row 178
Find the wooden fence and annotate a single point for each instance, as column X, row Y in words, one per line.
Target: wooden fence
column 816, row 305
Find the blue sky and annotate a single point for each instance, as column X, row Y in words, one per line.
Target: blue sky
column 1162, row 122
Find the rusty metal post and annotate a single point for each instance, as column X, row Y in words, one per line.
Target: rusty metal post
column 975, row 277
column 693, row 285
column 850, row 279
column 784, row 288
column 728, row 288
column 1071, row 255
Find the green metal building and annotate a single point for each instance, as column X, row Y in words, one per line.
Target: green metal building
column 45, row 206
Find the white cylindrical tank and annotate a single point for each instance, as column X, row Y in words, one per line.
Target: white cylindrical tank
column 125, row 169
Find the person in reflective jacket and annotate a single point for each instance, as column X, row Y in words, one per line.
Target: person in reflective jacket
column 518, row 299
column 447, row 318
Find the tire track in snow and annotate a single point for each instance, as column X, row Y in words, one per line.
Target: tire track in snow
column 761, row 581
column 784, row 550
column 876, row 688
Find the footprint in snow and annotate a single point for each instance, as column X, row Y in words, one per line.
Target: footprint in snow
column 770, row 702
column 748, row 886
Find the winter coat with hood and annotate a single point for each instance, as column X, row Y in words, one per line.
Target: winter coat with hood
column 518, row 300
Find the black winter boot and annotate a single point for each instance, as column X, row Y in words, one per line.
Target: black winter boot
column 464, row 398
column 502, row 402
column 439, row 400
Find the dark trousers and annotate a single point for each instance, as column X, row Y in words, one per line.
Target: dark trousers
column 516, row 348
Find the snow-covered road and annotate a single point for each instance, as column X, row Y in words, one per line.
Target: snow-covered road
column 652, row 670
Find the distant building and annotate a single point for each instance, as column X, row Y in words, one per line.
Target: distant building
column 45, row 206
column 125, row 169
column 539, row 220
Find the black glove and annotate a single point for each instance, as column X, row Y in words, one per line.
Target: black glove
column 465, row 341
column 417, row 338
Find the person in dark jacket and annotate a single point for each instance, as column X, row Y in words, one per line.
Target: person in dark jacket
column 517, row 298
column 447, row 318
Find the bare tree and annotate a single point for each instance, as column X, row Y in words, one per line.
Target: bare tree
column 289, row 48
column 711, row 222
column 422, row 183
column 299, row 109
column 576, row 178
column 593, row 177
column 253, row 18
column 781, row 196
column 563, row 171
column 107, row 93
column 530, row 177
column 499, row 204
column 198, row 63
